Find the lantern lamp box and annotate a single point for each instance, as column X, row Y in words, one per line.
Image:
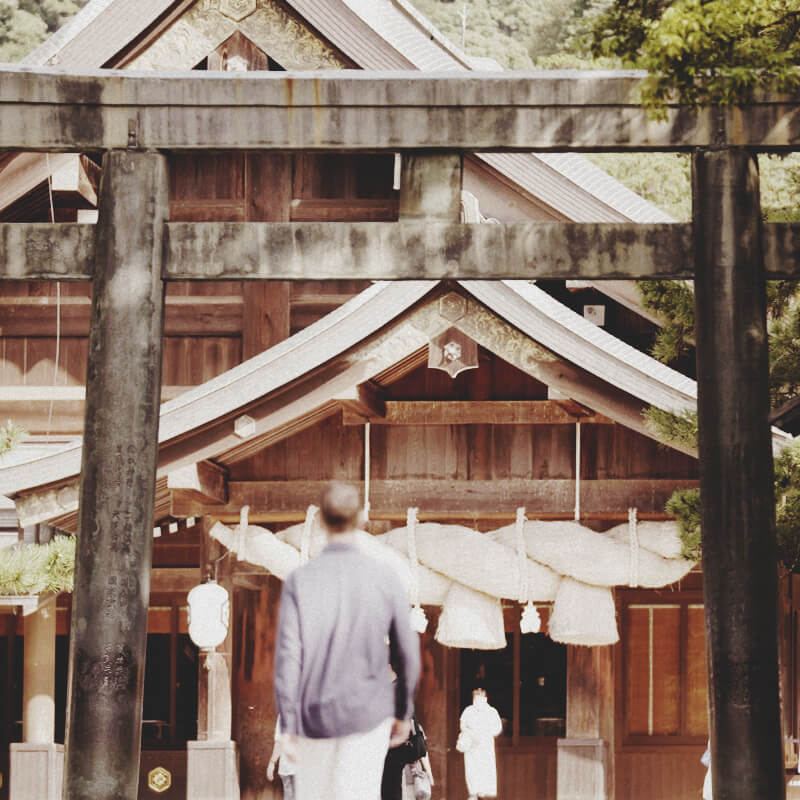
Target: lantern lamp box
column 453, row 352
column 209, row 614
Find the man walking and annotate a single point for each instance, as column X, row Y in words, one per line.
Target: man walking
column 344, row 618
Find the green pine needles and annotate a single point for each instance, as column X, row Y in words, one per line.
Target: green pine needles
column 38, row 568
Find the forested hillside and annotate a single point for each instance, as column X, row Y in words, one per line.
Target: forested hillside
column 26, row 23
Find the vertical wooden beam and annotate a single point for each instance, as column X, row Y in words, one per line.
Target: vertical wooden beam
column 120, row 449
column 268, row 192
column 736, row 477
column 586, row 755
column 430, row 187
column 39, row 676
column 212, row 760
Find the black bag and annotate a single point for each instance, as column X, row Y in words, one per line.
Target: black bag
column 414, row 748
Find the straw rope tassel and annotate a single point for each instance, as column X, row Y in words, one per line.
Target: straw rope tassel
column 418, row 620
column 633, row 535
column 308, row 527
column 530, row 621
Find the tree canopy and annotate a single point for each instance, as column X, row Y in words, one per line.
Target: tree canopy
column 704, row 51
column 26, row 23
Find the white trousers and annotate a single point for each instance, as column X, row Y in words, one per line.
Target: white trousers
column 342, row 768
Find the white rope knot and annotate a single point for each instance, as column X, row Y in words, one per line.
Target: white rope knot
column 308, row 528
column 417, row 618
column 633, row 538
column 530, row 621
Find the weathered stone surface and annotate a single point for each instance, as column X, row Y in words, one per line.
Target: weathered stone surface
column 389, row 250
column 48, row 110
column 117, row 489
column 736, row 480
column 413, row 250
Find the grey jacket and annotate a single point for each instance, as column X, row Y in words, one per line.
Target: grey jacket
column 344, row 618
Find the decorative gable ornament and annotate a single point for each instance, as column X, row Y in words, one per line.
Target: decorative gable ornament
column 237, row 10
column 453, row 352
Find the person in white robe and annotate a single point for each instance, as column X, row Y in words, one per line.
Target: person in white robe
column 480, row 724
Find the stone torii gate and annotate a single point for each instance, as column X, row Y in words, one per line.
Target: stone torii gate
column 431, row 120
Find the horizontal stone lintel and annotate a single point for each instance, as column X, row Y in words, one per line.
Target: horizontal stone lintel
column 390, row 251
column 50, row 110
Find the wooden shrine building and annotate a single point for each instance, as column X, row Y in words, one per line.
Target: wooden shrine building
column 273, row 212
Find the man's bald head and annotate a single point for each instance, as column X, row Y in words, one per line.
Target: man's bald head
column 340, row 507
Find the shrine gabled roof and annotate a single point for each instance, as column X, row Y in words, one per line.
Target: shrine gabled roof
column 379, row 328
column 375, row 35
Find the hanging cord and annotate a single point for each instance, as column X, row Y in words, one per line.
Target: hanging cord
column 633, row 538
column 530, row 621
column 240, row 534
column 305, row 539
column 419, row 622
column 577, row 470
column 58, row 305
column 367, row 459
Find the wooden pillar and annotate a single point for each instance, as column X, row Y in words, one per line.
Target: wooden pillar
column 736, row 477
column 430, row 187
column 585, row 768
column 37, row 762
column 120, row 450
column 212, row 761
column 39, row 676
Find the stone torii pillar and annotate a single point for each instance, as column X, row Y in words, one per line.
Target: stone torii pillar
column 736, row 478
column 120, row 450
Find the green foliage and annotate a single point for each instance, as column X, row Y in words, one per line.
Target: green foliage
column 673, row 302
column 685, row 505
column 38, row 568
column 663, row 179
column 26, row 23
column 787, row 507
column 520, row 34
column 704, row 52
column 784, row 357
column 672, row 428
column 10, row 434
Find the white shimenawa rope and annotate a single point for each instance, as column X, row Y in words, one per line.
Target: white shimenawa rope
column 419, row 622
column 577, row 470
column 633, row 536
column 305, row 540
column 366, row 470
column 530, row 621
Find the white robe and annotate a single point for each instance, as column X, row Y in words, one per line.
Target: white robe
column 480, row 723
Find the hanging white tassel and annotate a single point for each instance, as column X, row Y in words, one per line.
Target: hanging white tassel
column 305, row 539
column 417, row 618
column 530, row 621
column 633, row 537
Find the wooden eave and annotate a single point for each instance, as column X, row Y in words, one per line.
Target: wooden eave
column 381, row 330
column 378, row 336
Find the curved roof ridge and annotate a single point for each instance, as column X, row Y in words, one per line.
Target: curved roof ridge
column 308, row 349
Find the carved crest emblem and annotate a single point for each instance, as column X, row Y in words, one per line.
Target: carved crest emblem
column 237, row 10
column 159, row 780
column 452, row 352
